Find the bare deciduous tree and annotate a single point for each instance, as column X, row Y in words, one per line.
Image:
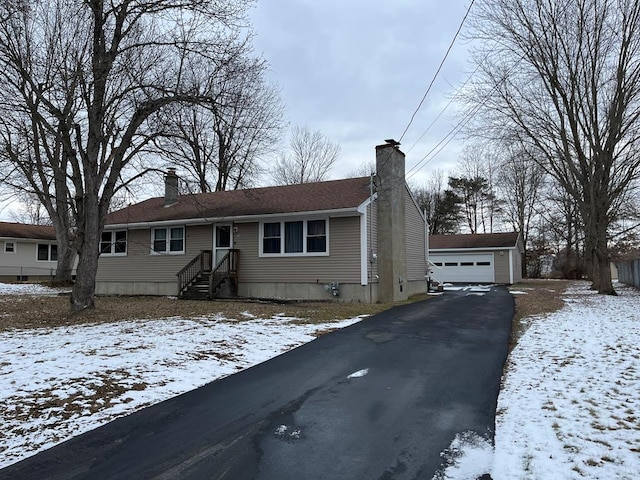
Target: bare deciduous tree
column 310, row 158
column 364, row 170
column 477, row 168
column 80, row 82
column 564, row 78
column 30, row 210
column 221, row 146
column 520, row 182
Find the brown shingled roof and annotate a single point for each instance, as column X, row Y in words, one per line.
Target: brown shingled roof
column 24, row 230
column 306, row 197
column 476, row 240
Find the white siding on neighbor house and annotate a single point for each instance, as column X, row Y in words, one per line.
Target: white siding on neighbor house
column 416, row 247
column 341, row 265
column 139, row 265
column 24, row 260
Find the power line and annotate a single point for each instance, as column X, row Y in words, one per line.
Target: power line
column 426, row 130
column 437, row 71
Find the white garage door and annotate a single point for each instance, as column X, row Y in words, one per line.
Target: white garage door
column 465, row 268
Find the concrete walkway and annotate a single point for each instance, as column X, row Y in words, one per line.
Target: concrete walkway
column 378, row 400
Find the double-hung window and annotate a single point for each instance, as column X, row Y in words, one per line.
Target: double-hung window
column 47, row 252
column 9, row 247
column 113, row 242
column 169, row 240
column 298, row 237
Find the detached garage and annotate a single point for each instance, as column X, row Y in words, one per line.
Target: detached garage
column 477, row 258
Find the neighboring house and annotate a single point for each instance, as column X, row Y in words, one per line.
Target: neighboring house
column 481, row 258
column 352, row 240
column 27, row 252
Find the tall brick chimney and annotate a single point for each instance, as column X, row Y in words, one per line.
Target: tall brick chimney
column 170, row 187
column 392, row 242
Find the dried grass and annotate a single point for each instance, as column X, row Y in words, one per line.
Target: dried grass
column 23, row 311
column 542, row 297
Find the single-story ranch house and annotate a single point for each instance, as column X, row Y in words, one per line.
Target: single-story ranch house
column 357, row 239
column 27, row 252
column 479, row 258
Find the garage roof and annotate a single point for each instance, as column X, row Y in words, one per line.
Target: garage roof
column 475, row 240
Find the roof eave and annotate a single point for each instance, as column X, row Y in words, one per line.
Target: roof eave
column 466, row 249
column 338, row 212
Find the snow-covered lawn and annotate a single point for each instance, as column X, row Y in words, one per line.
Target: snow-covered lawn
column 59, row 382
column 569, row 407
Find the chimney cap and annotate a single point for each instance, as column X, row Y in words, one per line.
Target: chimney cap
column 393, row 142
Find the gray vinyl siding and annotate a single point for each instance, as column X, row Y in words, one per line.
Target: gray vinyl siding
column 341, row 265
column 501, row 266
column 416, row 255
column 140, row 266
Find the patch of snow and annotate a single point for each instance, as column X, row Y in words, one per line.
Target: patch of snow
column 474, row 295
column 29, row 289
column 359, row 373
column 281, row 430
column 467, row 288
column 468, row 457
column 517, row 292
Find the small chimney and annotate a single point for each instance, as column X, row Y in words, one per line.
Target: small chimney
column 170, row 187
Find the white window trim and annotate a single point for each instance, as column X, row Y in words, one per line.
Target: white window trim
column 112, row 253
column 49, row 246
column 15, row 245
column 304, row 252
column 168, row 240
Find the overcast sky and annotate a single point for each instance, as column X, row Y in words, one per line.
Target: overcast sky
column 357, row 69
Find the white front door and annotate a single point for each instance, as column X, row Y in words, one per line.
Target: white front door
column 222, row 241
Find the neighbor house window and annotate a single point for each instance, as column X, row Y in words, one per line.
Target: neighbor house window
column 168, row 240
column 299, row 237
column 114, row 242
column 47, row 253
column 9, row 247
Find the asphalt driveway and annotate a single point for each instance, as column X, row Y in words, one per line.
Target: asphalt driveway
column 378, row 400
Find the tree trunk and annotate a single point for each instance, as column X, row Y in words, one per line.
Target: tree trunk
column 600, row 263
column 66, row 250
column 64, row 270
column 82, row 296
